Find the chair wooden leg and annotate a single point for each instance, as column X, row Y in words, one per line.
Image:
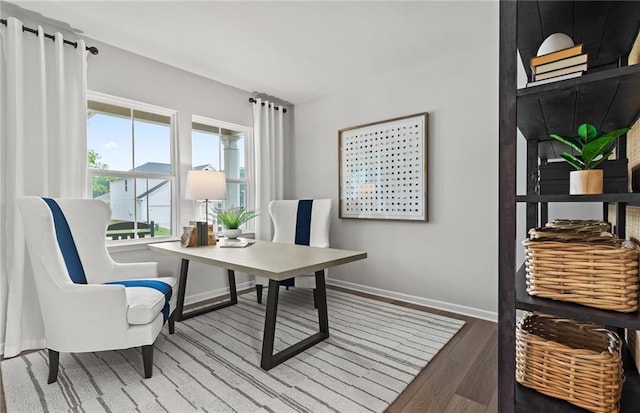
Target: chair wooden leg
column 147, row 360
column 259, row 293
column 172, row 323
column 54, row 361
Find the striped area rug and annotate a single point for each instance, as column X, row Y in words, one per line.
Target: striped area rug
column 212, row 363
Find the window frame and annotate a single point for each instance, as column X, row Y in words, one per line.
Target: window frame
column 173, row 156
column 249, row 161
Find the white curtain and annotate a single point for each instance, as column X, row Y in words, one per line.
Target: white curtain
column 269, row 162
column 43, row 151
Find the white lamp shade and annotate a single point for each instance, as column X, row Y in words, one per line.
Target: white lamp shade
column 206, row 185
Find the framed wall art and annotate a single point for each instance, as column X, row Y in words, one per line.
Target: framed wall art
column 383, row 169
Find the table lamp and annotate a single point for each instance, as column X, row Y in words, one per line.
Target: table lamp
column 206, row 185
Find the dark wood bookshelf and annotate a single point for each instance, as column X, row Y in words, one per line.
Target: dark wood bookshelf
column 608, row 96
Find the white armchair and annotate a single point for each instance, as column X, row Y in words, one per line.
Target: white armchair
column 90, row 302
column 303, row 222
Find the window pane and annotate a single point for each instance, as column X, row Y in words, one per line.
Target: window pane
column 118, row 194
column 221, row 149
column 153, row 204
column 137, row 144
column 205, row 149
column 152, row 137
column 236, row 195
column 109, row 141
column 233, row 155
column 151, row 207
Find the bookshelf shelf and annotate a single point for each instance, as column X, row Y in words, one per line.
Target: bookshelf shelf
column 607, row 30
column 629, row 198
column 612, row 95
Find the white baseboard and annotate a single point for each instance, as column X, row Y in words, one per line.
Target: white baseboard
column 197, row 298
column 440, row 305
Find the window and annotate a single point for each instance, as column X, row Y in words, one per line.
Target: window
column 221, row 146
column 131, row 167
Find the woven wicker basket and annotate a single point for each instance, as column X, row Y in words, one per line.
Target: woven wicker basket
column 596, row 274
column 580, row 225
column 576, row 362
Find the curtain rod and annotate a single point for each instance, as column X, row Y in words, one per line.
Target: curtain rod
column 284, row 110
column 92, row 49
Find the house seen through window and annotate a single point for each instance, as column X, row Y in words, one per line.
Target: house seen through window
column 131, row 166
column 222, row 147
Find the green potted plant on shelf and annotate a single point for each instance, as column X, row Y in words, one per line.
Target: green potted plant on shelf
column 232, row 218
column 592, row 147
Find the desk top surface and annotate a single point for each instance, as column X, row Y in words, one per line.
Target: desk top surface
column 273, row 260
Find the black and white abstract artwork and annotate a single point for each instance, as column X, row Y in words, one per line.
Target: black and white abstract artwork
column 383, row 169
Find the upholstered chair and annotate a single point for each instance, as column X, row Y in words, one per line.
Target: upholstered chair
column 90, row 302
column 302, row 222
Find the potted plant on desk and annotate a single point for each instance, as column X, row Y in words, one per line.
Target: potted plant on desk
column 592, row 147
column 232, row 218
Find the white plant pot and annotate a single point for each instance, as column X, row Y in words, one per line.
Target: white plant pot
column 587, row 182
column 232, row 233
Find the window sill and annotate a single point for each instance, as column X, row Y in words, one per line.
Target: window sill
column 141, row 243
column 136, row 244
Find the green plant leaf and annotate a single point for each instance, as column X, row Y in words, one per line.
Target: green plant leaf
column 573, row 161
column 234, row 217
column 587, row 132
column 594, row 164
column 572, row 142
column 597, row 147
column 615, row 133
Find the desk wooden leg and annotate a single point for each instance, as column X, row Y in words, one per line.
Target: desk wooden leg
column 269, row 335
column 184, row 269
column 233, row 295
column 320, row 296
column 270, row 360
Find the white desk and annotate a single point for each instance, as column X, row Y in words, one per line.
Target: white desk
column 275, row 261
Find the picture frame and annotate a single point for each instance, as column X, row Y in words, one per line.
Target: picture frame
column 382, row 169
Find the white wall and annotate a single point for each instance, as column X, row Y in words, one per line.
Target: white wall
column 449, row 262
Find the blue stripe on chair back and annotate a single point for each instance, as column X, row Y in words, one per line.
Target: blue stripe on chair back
column 303, row 222
column 163, row 287
column 66, row 243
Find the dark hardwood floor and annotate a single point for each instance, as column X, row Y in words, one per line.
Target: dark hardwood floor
column 462, row 377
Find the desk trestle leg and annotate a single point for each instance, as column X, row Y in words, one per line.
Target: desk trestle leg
column 233, row 295
column 270, row 360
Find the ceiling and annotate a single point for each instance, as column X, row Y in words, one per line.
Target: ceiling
column 295, row 51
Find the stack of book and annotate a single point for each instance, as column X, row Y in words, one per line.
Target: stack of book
column 562, row 64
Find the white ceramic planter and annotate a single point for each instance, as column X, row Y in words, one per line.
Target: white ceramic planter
column 232, row 233
column 587, row 182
